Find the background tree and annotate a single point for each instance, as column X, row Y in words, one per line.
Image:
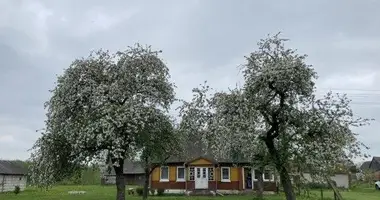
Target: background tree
column 158, row 141
column 278, row 110
column 216, row 118
column 97, row 109
column 194, row 116
column 280, row 86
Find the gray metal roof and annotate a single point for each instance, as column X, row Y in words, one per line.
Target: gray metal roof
column 12, row 168
column 365, row 165
column 130, row 167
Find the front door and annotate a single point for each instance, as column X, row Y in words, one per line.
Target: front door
column 201, row 178
column 248, row 178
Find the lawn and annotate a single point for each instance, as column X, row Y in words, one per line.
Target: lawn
column 108, row 193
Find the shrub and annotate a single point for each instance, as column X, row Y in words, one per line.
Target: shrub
column 314, row 185
column 160, row 192
column 152, row 191
column 140, row 191
column 17, row 189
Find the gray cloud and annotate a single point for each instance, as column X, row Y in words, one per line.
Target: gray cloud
column 201, row 40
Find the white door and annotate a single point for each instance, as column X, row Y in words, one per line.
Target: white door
column 201, row 178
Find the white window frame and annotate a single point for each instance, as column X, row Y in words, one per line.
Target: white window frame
column 164, row 179
column 264, row 179
column 271, row 176
column 184, row 174
column 229, row 174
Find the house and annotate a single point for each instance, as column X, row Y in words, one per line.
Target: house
column 341, row 179
column 206, row 173
column 12, row 174
column 374, row 166
column 364, row 167
column 133, row 173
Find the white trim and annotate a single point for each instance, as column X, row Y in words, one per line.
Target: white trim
column 270, row 173
column 164, row 179
column 229, row 174
column 184, row 174
column 252, row 176
column 264, row 179
column 243, row 172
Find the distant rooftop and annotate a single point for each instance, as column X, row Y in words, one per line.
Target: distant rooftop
column 12, row 168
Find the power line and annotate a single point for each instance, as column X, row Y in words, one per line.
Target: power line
column 350, row 89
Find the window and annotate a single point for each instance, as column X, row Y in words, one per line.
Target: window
column 211, row 174
column 164, row 174
column 180, row 174
column 191, row 173
column 204, row 172
column 225, row 174
column 267, row 176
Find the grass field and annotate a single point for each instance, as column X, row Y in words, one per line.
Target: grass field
column 108, row 193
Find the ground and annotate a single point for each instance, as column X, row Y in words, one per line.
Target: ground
column 108, row 193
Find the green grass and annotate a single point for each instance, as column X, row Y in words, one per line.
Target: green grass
column 108, row 193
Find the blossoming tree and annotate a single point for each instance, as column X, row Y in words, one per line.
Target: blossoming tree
column 158, row 141
column 277, row 114
column 98, row 108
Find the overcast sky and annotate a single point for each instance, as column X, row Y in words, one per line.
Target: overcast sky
column 201, row 40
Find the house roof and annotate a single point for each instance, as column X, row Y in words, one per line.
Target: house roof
column 365, row 165
column 375, row 163
column 12, row 168
column 186, row 159
column 130, row 167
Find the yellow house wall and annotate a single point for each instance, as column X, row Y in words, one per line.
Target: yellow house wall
column 234, row 173
column 156, row 174
column 201, row 162
column 234, row 176
column 172, row 173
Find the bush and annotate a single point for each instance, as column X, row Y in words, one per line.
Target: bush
column 140, row 191
column 152, row 191
column 160, row 192
column 17, row 189
column 314, row 185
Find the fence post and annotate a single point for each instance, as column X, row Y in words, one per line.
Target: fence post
column 321, row 194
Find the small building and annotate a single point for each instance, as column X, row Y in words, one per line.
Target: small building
column 341, row 179
column 208, row 174
column 374, row 167
column 12, row 174
column 133, row 174
column 363, row 169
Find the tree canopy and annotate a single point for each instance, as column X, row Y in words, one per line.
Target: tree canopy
column 99, row 108
column 276, row 117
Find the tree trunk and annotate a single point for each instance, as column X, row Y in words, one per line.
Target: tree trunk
column 260, row 183
column 286, row 183
column 120, row 181
column 284, row 175
column 146, row 184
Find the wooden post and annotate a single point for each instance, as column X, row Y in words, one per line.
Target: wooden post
column 321, row 194
column 3, row 183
